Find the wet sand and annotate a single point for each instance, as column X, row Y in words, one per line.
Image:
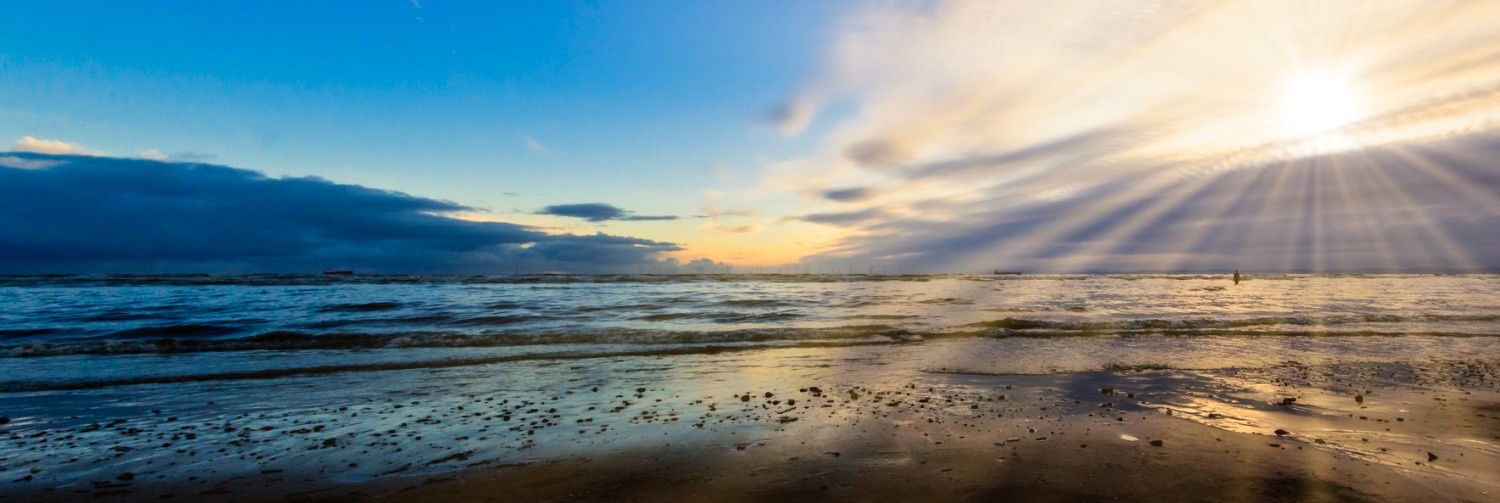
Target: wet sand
column 876, row 423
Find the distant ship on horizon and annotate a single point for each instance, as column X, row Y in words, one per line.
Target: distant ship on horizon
column 338, row 272
column 1007, row 273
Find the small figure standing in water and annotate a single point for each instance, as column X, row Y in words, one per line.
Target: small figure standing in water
column 1236, row 276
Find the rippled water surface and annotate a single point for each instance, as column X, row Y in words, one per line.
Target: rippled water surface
column 93, row 330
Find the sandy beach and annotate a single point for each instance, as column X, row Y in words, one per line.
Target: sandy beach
column 857, row 423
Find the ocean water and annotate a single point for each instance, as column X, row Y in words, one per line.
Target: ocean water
column 280, row 384
column 76, row 332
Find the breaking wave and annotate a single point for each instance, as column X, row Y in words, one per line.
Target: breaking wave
column 187, row 338
column 293, row 340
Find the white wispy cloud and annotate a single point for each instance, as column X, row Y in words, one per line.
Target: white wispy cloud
column 712, row 211
column 723, row 174
column 533, row 145
column 734, row 229
column 42, row 146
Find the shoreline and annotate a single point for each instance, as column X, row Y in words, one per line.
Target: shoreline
column 766, row 424
column 1122, row 446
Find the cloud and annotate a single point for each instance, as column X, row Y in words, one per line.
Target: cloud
column 792, row 116
column 846, row 218
column 1071, row 136
column 879, row 153
column 10, row 161
column 722, row 173
column 715, row 215
column 102, row 214
column 40, row 146
column 734, row 229
column 716, row 212
column 190, row 157
column 157, row 155
column 849, row 195
column 534, row 146
column 597, row 212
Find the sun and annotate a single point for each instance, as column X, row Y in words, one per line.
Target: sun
column 1313, row 104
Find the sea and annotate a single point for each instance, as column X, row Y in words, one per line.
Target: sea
column 279, row 385
column 78, row 331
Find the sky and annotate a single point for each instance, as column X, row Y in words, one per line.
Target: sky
column 613, row 136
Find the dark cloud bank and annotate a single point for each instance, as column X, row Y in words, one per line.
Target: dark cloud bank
column 99, row 214
column 597, row 212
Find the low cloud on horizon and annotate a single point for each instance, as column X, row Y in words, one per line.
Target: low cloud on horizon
column 43, row 146
column 71, row 213
column 598, row 212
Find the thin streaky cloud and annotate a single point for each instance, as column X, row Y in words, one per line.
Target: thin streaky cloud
column 42, row 146
column 533, row 145
column 598, row 212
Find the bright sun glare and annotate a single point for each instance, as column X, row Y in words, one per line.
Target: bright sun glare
column 1313, row 104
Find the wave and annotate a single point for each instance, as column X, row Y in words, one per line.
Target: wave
column 722, row 317
column 756, row 303
column 419, row 318
column 1189, row 324
column 1009, row 327
column 34, row 386
column 362, row 307
column 121, row 316
column 416, row 319
column 478, row 321
column 16, row 333
column 180, row 330
column 293, row 340
column 630, row 307
column 948, row 300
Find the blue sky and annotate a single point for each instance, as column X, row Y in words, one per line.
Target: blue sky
column 631, row 103
column 935, row 135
